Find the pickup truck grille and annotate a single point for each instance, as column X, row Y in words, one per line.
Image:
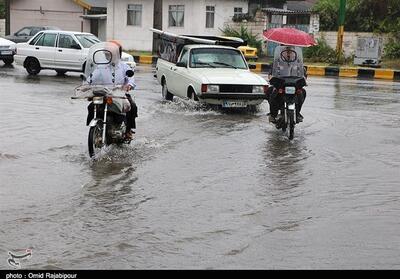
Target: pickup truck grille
column 233, row 88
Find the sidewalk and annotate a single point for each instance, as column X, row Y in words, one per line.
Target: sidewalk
column 312, row 70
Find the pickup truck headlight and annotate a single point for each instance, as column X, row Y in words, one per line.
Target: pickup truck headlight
column 209, row 88
column 258, row 89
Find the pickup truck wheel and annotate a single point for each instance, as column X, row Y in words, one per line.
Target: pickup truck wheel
column 193, row 96
column 32, row 66
column 165, row 93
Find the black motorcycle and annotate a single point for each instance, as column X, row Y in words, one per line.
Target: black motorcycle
column 288, row 91
column 107, row 125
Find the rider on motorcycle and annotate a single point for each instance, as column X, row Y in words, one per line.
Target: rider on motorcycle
column 105, row 76
column 288, row 62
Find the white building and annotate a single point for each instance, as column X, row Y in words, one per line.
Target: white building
column 129, row 21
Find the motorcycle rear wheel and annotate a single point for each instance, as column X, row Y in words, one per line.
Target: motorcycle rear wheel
column 95, row 140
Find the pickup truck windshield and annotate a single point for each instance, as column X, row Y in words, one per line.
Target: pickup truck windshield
column 217, row 58
column 87, row 40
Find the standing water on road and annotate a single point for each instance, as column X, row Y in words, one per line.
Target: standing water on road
column 201, row 188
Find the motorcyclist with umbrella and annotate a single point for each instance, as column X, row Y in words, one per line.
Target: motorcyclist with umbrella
column 288, row 62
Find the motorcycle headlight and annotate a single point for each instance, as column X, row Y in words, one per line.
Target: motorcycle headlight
column 258, row 89
column 98, row 100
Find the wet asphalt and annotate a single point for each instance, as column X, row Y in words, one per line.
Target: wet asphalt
column 201, row 188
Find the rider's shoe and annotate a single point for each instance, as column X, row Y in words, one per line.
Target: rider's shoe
column 299, row 118
column 129, row 135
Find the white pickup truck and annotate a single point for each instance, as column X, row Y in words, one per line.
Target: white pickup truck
column 212, row 74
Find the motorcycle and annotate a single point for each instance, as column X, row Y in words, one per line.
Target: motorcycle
column 290, row 90
column 288, row 82
column 109, row 102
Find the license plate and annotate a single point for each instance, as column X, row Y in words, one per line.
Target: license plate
column 234, row 104
column 290, row 90
column 291, row 106
column 6, row 52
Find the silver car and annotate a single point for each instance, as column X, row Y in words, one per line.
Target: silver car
column 26, row 33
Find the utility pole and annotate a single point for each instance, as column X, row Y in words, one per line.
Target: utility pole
column 157, row 22
column 342, row 13
column 7, row 16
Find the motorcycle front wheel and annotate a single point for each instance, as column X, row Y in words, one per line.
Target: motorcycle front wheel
column 291, row 124
column 95, row 140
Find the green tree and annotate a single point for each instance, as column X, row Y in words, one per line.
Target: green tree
column 2, row 11
column 361, row 15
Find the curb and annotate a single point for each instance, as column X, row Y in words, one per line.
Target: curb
column 145, row 59
column 349, row 72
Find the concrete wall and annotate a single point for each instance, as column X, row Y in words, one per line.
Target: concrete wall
column 64, row 14
column 131, row 37
column 195, row 15
column 349, row 40
column 2, row 27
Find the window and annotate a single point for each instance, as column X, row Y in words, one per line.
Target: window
column 66, row 41
column 184, row 56
column 176, row 15
column 47, row 40
column 217, row 58
column 135, row 15
column 237, row 11
column 87, row 40
column 24, row 32
column 35, row 39
column 210, row 16
column 35, row 30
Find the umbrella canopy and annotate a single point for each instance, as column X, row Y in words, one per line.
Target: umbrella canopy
column 289, row 36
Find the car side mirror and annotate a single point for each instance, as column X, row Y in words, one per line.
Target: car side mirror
column 83, row 77
column 181, row 64
column 130, row 73
column 252, row 67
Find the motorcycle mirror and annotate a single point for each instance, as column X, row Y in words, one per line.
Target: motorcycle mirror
column 83, row 77
column 130, row 73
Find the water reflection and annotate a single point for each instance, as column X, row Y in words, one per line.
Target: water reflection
column 284, row 166
column 112, row 180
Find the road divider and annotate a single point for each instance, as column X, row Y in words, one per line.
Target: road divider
column 348, row 72
column 312, row 70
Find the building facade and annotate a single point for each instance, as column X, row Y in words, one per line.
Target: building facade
column 129, row 21
column 65, row 14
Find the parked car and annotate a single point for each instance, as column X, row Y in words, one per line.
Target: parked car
column 7, row 51
column 62, row 51
column 250, row 53
column 212, row 74
column 26, row 33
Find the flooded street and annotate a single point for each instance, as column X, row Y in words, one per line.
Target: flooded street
column 201, row 188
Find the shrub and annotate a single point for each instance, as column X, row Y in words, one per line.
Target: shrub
column 320, row 53
column 242, row 17
column 392, row 49
column 247, row 36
